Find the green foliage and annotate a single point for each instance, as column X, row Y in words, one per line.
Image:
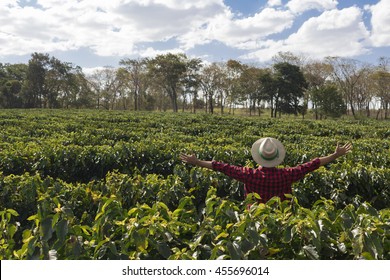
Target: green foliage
column 328, row 101
column 109, row 185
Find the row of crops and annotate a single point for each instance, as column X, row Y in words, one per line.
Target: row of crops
column 110, row 185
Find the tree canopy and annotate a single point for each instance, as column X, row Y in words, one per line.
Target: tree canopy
column 291, row 85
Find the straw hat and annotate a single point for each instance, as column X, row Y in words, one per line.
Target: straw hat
column 268, row 152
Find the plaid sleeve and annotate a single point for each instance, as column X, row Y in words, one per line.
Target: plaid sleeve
column 236, row 172
column 298, row 172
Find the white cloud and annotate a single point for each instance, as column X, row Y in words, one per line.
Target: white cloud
column 380, row 24
column 116, row 27
column 334, row 33
column 274, row 3
column 121, row 27
column 151, row 52
column 106, row 27
column 241, row 33
column 300, row 6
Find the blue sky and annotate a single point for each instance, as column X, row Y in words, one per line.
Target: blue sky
column 95, row 33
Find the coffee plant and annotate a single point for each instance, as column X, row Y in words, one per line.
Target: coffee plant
column 110, row 185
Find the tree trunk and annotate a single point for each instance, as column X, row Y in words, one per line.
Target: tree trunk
column 194, row 100
column 174, row 99
column 353, row 111
column 211, row 106
column 276, row 108
column 135, row 100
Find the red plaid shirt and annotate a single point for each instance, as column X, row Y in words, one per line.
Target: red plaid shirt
column 267, row 182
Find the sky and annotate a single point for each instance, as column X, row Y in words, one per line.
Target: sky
column 97, row 33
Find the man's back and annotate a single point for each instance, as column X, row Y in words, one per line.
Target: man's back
column 267, row 182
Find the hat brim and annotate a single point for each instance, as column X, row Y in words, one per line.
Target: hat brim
column 268, row 163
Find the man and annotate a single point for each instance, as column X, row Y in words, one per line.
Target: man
column 267, row 180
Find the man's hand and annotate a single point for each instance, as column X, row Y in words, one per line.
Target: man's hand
column 339, row 151
column 342, row 150
column 192, row 159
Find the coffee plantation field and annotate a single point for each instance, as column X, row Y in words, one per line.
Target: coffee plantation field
column 110, row 185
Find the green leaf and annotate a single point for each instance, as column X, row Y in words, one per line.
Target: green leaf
column 311, row 252
column 26, row 235
column 32, row 218
column 132, row 211
column 263, row 240
column 52, row 255
column 273, row 200
column 100, row 244
column 184, row 201
column 197, row 241
column 145, row 207
column 12, row 212
column 168, row 236
column 273, row 251
column 222, row 235
column 107, row 203
column 163, row 209
column 46, row 229
column 112, row 247
column 357, row 241
column 342, row 248
column 141, row 241
column 373, row 244
column 367, row 256
column 164, row 249
column 347, row 221
column 62, row 229
column 56, row 217
column 12, row 230
column 234, row 250
column 67, row 212
column 177, row 212
column 99, row 215
column 247, row 245
column 56, row 202
column 86, row 230
column 288, row 234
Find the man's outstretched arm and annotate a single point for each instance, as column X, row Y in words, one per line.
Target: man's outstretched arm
column 192, row 159
column 339, row 151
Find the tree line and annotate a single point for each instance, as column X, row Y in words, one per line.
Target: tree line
column 290, row 85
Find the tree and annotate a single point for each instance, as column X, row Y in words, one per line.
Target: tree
column 232, row 82
column 104, row 83
column 348, row 73
column 76, row 92
column 329, row 101
column 47, row 81
column 271, row 91
column 211, row 84
column 12, row 77
column 9, row 94
column 381, row 86
column 191, row 82
column 290, row 86
column 317, row 74
column 283, row 87
column 290, row 58
column 135, row 80
column 168, row 71
column 57, row 83
column 364, row 94
column 34, row 90
column 251, row 87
